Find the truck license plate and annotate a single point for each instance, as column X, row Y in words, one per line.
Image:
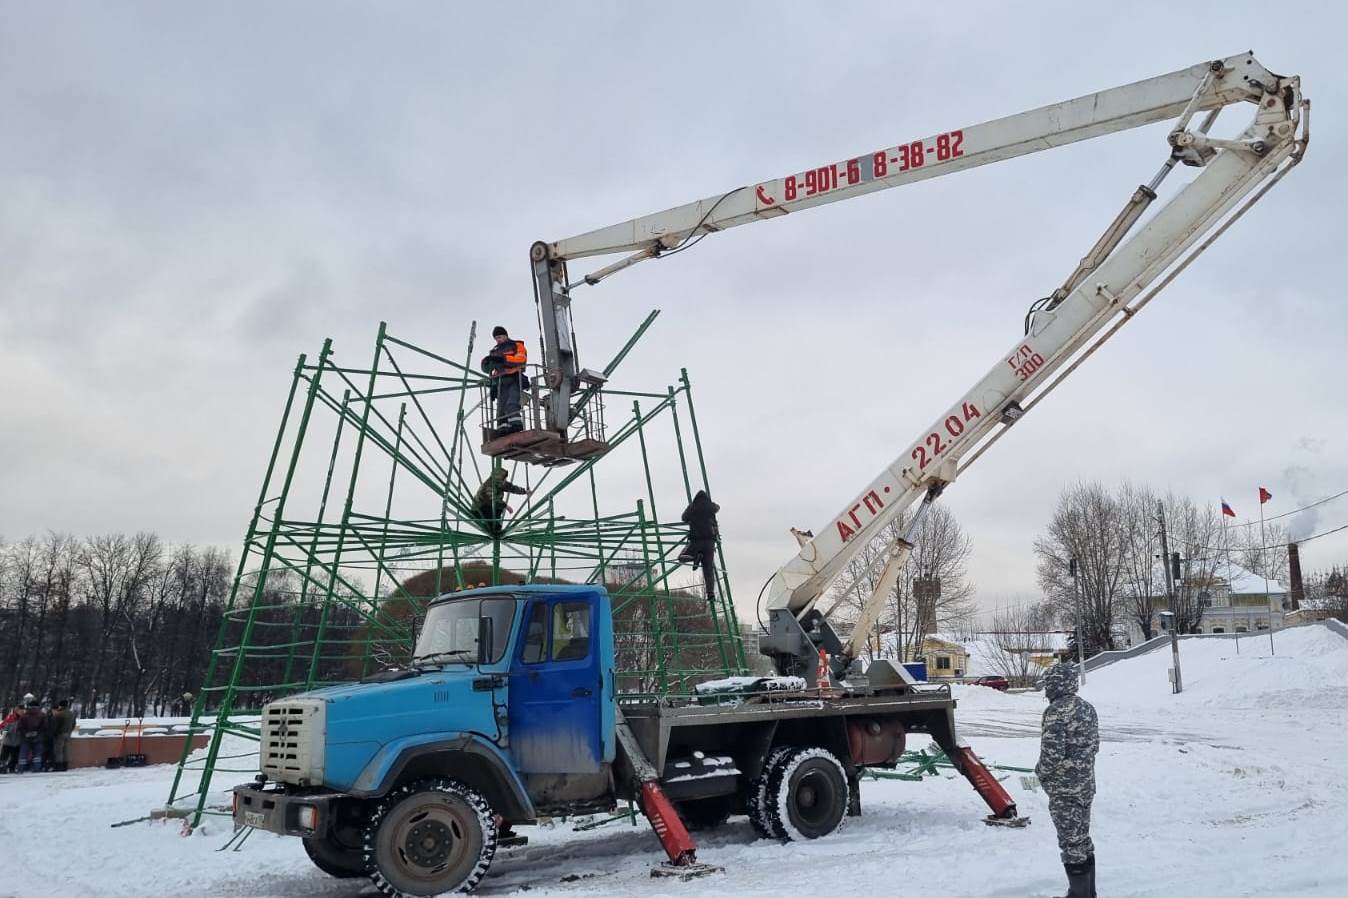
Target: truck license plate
column 255, row 818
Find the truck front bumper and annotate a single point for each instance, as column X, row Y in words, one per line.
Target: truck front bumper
column 277, row 812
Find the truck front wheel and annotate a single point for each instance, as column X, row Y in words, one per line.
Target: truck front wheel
column 430, row 836
column 807, row 794
column 334, row 858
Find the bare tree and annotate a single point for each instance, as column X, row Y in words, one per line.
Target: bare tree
column 1142, row 552
column 1327, row 592
column 111, row 621
column 1088, row 526
column 1264, row 555
column 938, row 567
column 1195, row 532
column 1015, row 639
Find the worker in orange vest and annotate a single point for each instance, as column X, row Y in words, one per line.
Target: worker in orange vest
column 505, row 364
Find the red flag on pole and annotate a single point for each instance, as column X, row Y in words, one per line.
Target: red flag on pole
column 1264, row 495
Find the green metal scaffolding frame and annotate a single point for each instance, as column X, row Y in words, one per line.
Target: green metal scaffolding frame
column 336, row 591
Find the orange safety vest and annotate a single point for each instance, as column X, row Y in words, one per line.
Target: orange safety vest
column 517, row 359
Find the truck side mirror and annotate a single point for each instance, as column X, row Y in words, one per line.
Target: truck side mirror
column 484, row 639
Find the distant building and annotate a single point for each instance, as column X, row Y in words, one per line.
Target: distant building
column 1017, row 656
column 946, row 659
column 1233, row 599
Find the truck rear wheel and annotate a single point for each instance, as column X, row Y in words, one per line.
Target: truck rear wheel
column 807, row 794
column 334, row 858
column 764, row 823
column 430, row 836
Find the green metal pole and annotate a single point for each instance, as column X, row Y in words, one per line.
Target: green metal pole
column 496, row 543
column 313, row 543
column 659, row 540
column 678, row 441
column 552, row 538
column 449, row 478
column 727, row 601
column 368, row 403
column 226, row 704
column 199, row 704
column 383, row 543
column 652, row 608
column 602, row 570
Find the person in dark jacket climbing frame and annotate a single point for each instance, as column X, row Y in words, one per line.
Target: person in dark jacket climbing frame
column 703, row 532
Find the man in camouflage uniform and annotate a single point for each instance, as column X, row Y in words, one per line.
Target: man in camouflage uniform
column 490, row 502
column 1066, row 770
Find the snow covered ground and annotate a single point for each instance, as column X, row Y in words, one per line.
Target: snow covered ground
column 1233, row 788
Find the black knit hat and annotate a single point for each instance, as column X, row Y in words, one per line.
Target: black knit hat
column 499, row 331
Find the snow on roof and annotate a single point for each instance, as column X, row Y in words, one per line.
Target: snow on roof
column 946, row 637
column 1047, row 641
column 1243, row 582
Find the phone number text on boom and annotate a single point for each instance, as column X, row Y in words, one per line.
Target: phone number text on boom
column 880, row 164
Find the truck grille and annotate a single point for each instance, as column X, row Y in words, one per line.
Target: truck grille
column 292, row 741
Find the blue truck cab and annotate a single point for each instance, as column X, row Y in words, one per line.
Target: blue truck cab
column 506, row 712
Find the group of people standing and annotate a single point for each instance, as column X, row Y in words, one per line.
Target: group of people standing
column 34, row 739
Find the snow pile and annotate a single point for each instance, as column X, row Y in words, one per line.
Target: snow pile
column 1308, row 666
column 981, row 697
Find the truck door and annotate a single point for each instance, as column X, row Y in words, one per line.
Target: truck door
column 557, row 686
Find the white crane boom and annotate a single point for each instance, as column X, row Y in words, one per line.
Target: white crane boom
column 1183, row 93
column 1117, row 109
column 1108, row 286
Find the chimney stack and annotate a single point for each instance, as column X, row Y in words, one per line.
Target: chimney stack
column 1294, row 572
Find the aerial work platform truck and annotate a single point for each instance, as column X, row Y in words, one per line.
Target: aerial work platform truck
column 508, row 710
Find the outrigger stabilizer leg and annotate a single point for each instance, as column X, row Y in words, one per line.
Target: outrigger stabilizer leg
column 998, row 799
column 659, row 810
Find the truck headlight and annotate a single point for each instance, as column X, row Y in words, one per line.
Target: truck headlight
column 307, row 818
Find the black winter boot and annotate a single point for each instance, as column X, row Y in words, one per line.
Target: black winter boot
column 1078, row 880
column 1090, row 868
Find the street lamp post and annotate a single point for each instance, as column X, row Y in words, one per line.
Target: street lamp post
column 1081, row 634
column 1176, row 681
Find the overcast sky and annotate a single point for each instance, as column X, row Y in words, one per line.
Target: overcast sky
column 192, row 194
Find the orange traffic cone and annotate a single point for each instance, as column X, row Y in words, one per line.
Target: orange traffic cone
column 825, row 684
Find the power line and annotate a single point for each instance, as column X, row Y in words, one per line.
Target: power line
column 1318, row 535
column 1287, row 514
column 1302, row 541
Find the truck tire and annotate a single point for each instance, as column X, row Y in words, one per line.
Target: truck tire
column 756, row 801
column 807, row 794
column 705, row 813
column 334, row 858
column 429, row 836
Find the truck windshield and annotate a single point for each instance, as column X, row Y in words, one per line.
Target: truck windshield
column 451, row 631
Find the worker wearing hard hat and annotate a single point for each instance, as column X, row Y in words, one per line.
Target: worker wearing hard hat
column 505, row 364
column 1066, row 770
